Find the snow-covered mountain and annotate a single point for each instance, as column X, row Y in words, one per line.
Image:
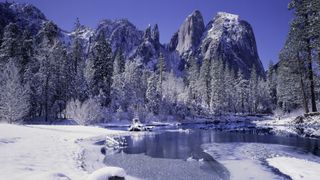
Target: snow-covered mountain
column 232, row 39
column 226, row 37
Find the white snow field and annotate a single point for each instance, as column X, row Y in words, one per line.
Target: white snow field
column 253, row 160
column 46, row 151
column 296, row 168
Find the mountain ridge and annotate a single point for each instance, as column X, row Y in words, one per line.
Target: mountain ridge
column 226, row 36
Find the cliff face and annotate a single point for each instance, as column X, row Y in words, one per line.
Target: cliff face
column 190, row 32
column 226, row 37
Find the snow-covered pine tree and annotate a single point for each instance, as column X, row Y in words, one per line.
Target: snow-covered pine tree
column 230, row 90
column 78, row 83
column 60, row 80
column 192, row 79
column 204, row 83
column 160, row 70
column 43, row 80
column 253, row 90
column 242, row 91
column 306, row 14
column 217, row 101
column 11, row 44
column 27, row 54
column 103, row 69
column 134, row 90
column 119, row 62
column 272, row 85
column 152, row 94
column 77, row 47
column 14, row 97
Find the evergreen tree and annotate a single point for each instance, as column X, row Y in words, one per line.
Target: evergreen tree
column 253, row 90
column 192, row 78
column 204, row 82
column 103, row 69
column 11, row 44
column 160, row 71
column 119, row 62
column 242, row 88
column 272, row 84
column 305, row 22
column 152, row 94
column 230, row 90
column 217, row 87
column 77, row 47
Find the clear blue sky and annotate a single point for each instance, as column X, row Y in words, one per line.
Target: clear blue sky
column 269, row 18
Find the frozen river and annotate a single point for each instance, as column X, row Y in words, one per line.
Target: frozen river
column 209, row 154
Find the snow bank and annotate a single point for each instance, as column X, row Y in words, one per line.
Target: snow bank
column 296, row 168
column 106, row 172
column 293, row 124
column 45, row 151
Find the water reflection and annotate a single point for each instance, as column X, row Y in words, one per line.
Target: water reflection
column 177, row 145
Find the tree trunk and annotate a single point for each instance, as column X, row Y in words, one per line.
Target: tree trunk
column 46, row 99
column 305, row 102
column 310, row 76
column 304, row 95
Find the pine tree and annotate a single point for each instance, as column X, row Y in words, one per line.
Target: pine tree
column 160, row 71
column 217, row 100
column 103, row 69
column 43, row 84
column 119, row 63
column 27, row 54
column 152, row 94
column 192, row 78
column 272, row 84
column 230, row 90
column 77, row 47
column 14, row 97
column 11, row 44
column 305, row 21
column 253, row 90
column 204, row 82
column 242, row 89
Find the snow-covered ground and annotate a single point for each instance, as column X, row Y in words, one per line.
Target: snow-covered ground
column 68, row 152
column 253, row 161
column 296, row 168
column 295, row 123
column 45, row 151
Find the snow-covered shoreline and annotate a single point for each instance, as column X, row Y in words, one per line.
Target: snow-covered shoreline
column 45, row 151
column 296, row 168
column 292, row 125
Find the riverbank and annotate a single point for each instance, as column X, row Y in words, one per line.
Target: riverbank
column 292, row 125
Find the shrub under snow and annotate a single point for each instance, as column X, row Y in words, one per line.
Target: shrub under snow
column 84, row 113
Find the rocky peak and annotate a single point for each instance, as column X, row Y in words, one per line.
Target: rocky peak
column 147, row 33
column 155, row 33
column 121, row 34
column 190, row 32
column 231, row 38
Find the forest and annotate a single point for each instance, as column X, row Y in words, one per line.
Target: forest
column 44, row 79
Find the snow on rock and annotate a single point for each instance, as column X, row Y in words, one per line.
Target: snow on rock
column 231, row 37
column 190, row 32
column 45, row 151
column 296, row 168
column 107, row 172
column 138, row 126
